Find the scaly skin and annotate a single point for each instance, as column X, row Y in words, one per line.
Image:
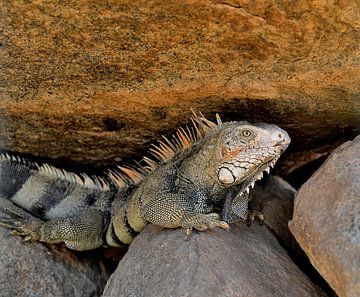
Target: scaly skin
column 212, row 164
column 231, row 157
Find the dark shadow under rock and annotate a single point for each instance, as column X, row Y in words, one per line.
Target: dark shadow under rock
column 241, row 262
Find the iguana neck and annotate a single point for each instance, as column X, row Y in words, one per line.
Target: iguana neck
column 200, row 167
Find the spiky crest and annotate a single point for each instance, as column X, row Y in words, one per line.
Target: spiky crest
column 164, row 151
column 130, row 175
column 52, row 172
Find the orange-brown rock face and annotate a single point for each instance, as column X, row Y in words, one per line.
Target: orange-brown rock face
column 95, row 82
column 326, row 220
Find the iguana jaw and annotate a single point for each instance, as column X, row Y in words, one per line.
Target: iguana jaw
column 249, row 179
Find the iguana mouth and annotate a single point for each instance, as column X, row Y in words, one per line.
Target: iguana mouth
column 250, row 178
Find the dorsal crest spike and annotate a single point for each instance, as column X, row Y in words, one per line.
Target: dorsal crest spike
column 205, row 121
column 132, row 173
column 169, row 143
column 53, row 173
column 184, row 138
column 151, row 165
column 202, row 123
column 218, row 120
column 118, row 178
column 198, row 131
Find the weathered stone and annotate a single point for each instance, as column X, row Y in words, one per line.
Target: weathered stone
column 241, row 262
column 37, row 270
column 301, row 159
column 91, row 82
column 326, row 220
column 274, row 198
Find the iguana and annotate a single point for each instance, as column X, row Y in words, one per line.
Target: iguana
column 203, row 165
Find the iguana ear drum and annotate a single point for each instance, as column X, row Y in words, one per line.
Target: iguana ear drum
column 229, row 175
column 226, row 176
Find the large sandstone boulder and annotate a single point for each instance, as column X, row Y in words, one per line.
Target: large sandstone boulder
column 36, row 270
column 92, row 82
column 240, row 262
column 326, row 220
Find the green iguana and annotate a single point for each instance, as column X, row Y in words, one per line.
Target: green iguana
column 206, row 165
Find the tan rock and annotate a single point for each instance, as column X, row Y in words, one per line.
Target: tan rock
column 326, row 220
column 95, row 83
column 240, row 262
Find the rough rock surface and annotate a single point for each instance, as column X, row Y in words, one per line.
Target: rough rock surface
column 241, row 262
column 326, row 220
column 37, row 270
column 91, row 81
column 274, row 198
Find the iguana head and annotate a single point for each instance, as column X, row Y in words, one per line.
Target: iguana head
column 243, row 151
column 246, row 150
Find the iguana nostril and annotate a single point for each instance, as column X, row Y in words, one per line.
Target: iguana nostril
column 277, row 138
column 280, row 138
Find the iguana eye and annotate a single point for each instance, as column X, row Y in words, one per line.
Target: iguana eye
column 246, row 133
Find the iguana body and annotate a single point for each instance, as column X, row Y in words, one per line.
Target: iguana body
column 210, row 164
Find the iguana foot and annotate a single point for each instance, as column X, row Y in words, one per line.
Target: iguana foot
column 21, row 224
column 254, row 215
column 202, row 222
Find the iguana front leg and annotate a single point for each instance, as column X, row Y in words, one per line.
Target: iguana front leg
column 237, row 208
column 174, row 211
column 82, row 232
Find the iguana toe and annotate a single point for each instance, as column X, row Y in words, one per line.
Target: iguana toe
column 202, row 222
column 254, row 215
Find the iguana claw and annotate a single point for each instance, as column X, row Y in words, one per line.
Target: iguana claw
column 254, row 215
column 202, row 222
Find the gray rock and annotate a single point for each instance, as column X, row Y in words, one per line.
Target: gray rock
column 241, row 262
column 35, row 270
column 274, row 198
column 326, row 220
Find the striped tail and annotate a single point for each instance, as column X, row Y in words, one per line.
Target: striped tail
column 48, row 192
